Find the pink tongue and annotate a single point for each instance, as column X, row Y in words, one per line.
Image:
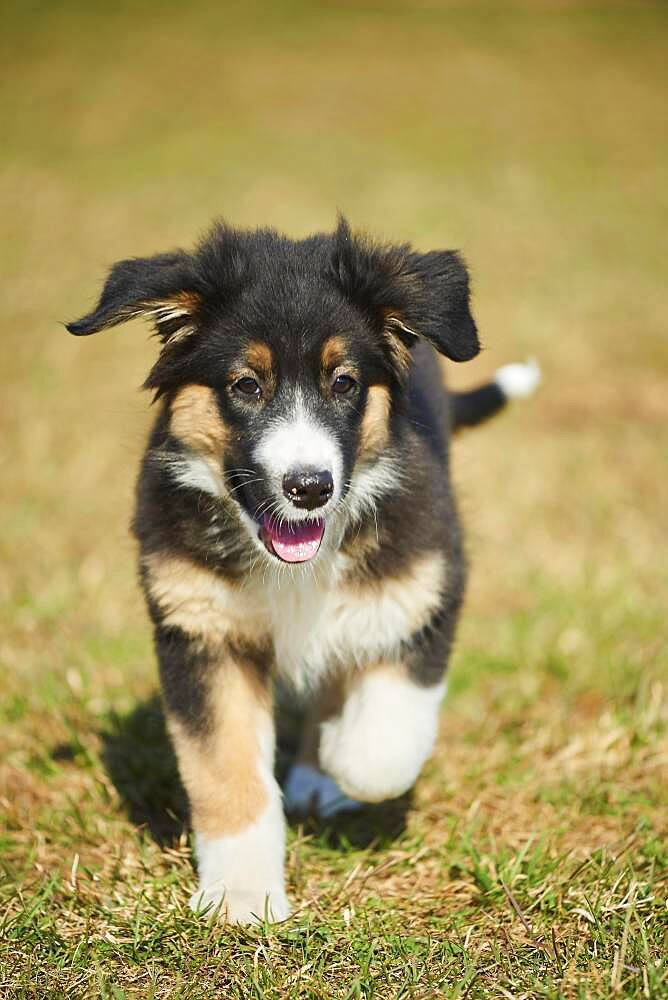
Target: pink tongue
column 293, row 541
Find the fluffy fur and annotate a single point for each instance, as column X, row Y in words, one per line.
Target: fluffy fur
column 295, row 520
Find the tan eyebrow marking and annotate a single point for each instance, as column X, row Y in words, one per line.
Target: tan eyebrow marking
column 259, row 357
column 334, row 352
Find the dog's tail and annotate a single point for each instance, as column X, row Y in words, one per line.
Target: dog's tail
column 510, row 382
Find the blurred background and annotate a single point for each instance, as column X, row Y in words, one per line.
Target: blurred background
column 532, row 136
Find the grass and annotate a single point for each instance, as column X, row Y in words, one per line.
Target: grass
column 531, row 859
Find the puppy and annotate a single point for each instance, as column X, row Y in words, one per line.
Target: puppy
column 296, row 522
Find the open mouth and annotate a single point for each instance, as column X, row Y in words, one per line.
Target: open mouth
column 292, row 541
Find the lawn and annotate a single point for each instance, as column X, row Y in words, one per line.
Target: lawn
column 531, row 860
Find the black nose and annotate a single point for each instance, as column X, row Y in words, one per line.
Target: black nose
column 308, row 489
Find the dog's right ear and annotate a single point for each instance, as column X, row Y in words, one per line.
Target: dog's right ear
column 163, row 289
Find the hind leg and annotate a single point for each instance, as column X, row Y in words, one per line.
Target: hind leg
column 307, row 789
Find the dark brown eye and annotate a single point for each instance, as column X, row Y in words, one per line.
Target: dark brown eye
column 343, row 384
column 247, row 386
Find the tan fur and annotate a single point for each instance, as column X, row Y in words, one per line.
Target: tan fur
column 375, row 430
column 402, row 354
column 362, row 543
column 259, row 357
column 334, row 352
column 195, row 420
column 182, row 304
column 418, row 589
column 221, row 770
column 199, row 602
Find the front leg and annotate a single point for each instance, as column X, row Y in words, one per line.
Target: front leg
column 219, row 716
column 377, row 745
column 377, row 742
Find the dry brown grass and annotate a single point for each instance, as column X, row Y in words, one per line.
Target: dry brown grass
column 531, row 860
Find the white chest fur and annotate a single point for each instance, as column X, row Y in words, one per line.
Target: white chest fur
column 320, row 620
column 316, row 617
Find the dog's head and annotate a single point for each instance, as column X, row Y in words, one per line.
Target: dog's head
column 284, row 365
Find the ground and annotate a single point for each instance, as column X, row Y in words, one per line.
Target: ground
column 531, row 859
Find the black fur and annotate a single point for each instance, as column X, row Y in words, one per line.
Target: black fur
column 186, row 691
column 468, row 409
column 293, row 295
column 428, row 292
column 289, row 319
column 243, row 287
column 132, row 284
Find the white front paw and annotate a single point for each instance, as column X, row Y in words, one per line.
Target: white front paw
column 376, row 748
column 241, row 906
column 241, row 875
column 309, row 792
column 365, row 772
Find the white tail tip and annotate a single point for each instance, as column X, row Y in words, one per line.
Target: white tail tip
column 518, row 380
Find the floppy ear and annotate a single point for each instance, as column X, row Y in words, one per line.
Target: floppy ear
column 411, row 294
column 161, row 288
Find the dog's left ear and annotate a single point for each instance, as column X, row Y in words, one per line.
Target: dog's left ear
column 411, row 294
column 162, row 288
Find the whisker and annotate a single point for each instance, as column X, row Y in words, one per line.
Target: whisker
column 247, row 482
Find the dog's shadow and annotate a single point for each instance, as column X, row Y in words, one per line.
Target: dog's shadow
column 139, row 759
